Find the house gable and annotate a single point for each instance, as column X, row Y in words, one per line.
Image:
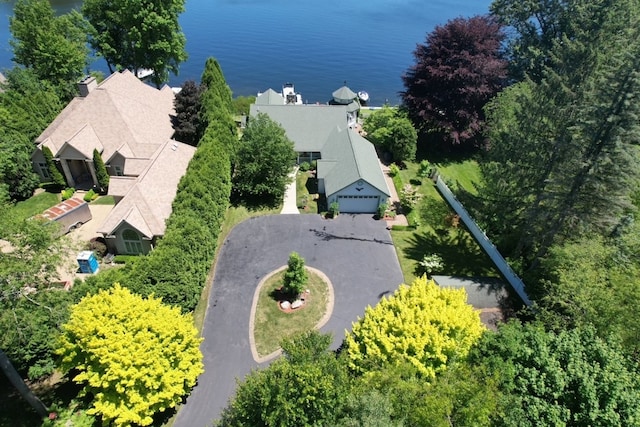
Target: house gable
column 146, row 205
column 120, row 114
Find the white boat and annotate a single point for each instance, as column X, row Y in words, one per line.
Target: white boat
column 363, row 96
column 289, row 94
column 143, row 73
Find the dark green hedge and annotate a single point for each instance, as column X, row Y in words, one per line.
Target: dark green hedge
column 177, row 268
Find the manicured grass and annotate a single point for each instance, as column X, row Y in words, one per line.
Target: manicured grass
column 271, row 324
column 306, row 191
column 104, row 200
column 36, row 204
column 461, row 254
column 465, row 173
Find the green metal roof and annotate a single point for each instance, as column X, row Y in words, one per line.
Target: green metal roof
column 270, row 97
column 344, row 95
column 308, row 126
column 346, row 158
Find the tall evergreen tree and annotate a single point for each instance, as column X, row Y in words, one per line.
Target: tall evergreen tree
column 56, row 176
column 101, row 171
column 188, row 126
column 562, row 159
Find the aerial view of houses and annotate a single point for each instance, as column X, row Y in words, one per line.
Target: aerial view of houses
column 456, row 245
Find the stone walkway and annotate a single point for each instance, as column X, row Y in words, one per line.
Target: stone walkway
column 394, row 200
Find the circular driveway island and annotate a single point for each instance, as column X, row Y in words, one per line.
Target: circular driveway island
column 354, row 251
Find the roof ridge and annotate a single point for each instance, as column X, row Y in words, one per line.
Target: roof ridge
column 353, row 151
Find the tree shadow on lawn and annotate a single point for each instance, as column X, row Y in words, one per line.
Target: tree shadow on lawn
column 460, row 253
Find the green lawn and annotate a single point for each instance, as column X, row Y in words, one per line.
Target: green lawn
column 104, row 200
column 461, row 254
column 36, row 204
column 306, row 193
column 271, row 324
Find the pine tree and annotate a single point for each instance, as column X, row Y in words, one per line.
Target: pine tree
column 295, row 278
column 101, row 171
column 56, row 176
column 561, row 160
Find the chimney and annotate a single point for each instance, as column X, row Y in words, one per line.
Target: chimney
column 86, row 85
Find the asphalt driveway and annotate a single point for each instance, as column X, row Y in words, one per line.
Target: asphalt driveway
column 354, row 251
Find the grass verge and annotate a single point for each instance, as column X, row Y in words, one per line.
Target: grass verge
column 271, row 324
column 104, row 200
column 36, row 204
column 306, row 193
column 437, row 232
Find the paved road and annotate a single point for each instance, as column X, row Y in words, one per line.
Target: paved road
column 354, row 251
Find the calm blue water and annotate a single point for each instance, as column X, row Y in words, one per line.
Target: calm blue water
column 316, row 44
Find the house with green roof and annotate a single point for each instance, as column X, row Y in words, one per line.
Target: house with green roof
column 348, row 169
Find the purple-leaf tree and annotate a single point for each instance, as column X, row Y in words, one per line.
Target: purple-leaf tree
column 458, row 69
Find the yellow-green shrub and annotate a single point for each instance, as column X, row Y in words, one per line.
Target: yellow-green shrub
column 135, row 356
column 422, row 325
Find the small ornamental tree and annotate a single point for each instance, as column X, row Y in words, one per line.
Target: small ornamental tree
column 56, row 176
column 295, row 278
column 188, row 126
column 101, row 171
column 135, row 356
column 422, row 325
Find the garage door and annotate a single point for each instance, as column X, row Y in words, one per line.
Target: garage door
column 358, row 204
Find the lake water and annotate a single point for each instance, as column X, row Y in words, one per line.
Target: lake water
column 315, row 44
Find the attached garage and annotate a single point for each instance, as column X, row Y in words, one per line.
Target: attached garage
column 358, row 204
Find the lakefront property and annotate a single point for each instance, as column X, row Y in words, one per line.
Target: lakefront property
column 348, row 169
column 130, row 124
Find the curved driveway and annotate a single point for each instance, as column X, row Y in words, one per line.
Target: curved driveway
column 354, row 251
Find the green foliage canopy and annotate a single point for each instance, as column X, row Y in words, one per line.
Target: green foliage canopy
column 570, row 378
column 391, row 129
column 421, row 325
column 135, row 356
column 54, row 47
column 306, row 387
column 264, row 159
column 138, row 34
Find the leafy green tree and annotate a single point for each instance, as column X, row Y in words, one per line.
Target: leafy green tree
column 295, row 277
column 264, row 159
column 136, row 357
column 392, row 130
column 101, row 171
column 306, row 387
column 29, row 313
column 28, row 105
column 421, row 325
column 138, row 34
column 16, row 170
column 242, row 104
column 591, row 282
column 569, row 378
column 188, row 127
column 54, row 47
column 457, row 71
